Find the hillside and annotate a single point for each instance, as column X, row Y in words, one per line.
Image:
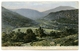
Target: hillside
column 59, row 9
column 32, row 14
column 60, row 19
column 68, row 14
column 12, row 19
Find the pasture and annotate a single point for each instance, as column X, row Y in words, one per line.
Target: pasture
column 23, row 29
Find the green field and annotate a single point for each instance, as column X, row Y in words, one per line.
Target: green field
column 23, row 29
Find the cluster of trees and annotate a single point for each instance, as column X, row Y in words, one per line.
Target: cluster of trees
column 19, row 36
column 68, row 37
column 30, row 36
column 63, row 33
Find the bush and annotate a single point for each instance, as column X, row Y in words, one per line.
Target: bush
column 71, row 40
column 12, row 43
column 41, row 43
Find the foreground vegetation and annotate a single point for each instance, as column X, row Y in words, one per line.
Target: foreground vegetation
column 38, row 37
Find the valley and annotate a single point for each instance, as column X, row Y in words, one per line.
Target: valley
column 34, row 28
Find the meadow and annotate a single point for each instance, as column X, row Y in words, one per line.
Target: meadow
column 23, row 29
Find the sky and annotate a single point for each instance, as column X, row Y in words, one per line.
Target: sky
column 40, row 6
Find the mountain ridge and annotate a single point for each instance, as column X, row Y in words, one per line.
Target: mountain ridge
column 61, row 14
column 32, row 14
column 59, row 8
column 14, row 20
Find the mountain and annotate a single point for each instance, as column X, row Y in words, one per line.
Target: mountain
column 60, row 19
column 59, row 9
column 13, row 20
column 71, row 14
column 32, row 14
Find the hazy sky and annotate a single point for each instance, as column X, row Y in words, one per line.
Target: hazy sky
column 40, row 6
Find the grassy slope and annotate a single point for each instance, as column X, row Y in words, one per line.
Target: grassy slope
column 23, row 29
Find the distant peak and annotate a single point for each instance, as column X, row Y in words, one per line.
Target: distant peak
column 65, row 6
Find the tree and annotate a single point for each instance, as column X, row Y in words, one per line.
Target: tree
column 30, row 36
column 18, row 36
column 41, row 32
column 36, row 32
column 71, row 31
column 54, row 34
